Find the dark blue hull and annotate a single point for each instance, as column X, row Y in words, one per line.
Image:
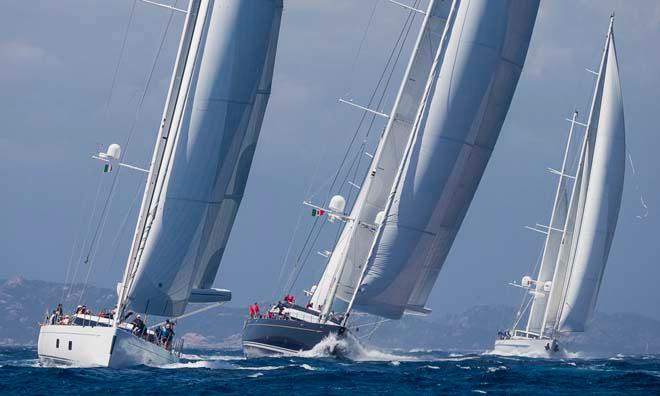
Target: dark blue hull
column 267, row 337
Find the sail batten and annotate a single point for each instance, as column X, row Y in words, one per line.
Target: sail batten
column 214, row 136
column 456, row 134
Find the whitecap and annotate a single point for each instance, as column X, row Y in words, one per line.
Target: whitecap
column 255, row 375
column 498, row 368
column 263, row 368
column 208, row 364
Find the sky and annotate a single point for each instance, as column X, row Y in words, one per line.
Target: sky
column 65, row 91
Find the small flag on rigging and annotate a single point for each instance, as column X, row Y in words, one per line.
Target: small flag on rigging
column 318, row 212
column 107, row 168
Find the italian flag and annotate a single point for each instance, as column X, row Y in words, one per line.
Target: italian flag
column 318, row 212
column 107, row 168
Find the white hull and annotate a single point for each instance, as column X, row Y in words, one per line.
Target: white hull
column 528, row 347
column 98, row 346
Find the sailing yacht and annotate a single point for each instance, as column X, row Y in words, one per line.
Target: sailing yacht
column 204, row 149
column 563, row 296
column 446, row 118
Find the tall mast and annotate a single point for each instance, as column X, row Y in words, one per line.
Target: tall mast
column 551, row 228
column 432, row 76
column 594, row 100
column 164, row 143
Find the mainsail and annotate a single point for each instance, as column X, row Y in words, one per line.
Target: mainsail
column 211, row 124
column 457, row 129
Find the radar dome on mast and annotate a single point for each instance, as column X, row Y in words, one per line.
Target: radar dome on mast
column 337, row 204
column 113, row 152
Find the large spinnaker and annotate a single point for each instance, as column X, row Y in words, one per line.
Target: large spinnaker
column 208, row 163
column 352, row 249
column 605, row 162
column 458, row 128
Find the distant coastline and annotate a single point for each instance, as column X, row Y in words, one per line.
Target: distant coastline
column 23, row 304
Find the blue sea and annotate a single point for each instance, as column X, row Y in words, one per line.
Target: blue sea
column 415, row 372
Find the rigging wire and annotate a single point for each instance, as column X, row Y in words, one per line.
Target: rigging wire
column 351, row 72
column 106, row 112
column 115, row 243
column 89, row 229
column 100, row 227
column 399, row 44
column 67, row 288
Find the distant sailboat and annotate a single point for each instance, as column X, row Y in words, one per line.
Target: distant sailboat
column 446, row 119
column 204, row 149
column 563, row 295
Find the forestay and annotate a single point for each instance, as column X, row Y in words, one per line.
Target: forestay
column 213, row 132
column 604, row 168
column 460, row 123
column 350, row 254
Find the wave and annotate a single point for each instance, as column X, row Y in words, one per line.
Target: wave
column 350, row 348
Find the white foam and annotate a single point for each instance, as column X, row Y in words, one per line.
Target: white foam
column 212, row 357
column 479, row 391
column 263, row 368
column 207, row 364
column 498, row 368
column 255, row 375
column 534, row 355
column 308, row 367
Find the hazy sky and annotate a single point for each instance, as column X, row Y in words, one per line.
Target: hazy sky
column 57, row 60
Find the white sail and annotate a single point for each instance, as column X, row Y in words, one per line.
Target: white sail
column 352, row 249
column 219, row 106
column 604, row 168
column 457, row 132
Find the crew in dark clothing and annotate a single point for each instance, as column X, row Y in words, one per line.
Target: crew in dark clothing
column 169, row 334
column 139, row 326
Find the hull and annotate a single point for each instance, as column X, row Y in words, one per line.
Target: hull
column 527, row 347
column 268, row 337
column 98, row 346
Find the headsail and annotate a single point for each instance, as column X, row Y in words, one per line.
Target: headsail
column 220, row 103
column 604, row 168
column 460, row 123
column 350, row 254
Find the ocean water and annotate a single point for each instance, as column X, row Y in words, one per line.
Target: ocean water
column 361, row 372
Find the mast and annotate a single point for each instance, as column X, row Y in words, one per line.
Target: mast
column 182, row 71
column 551, row 229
